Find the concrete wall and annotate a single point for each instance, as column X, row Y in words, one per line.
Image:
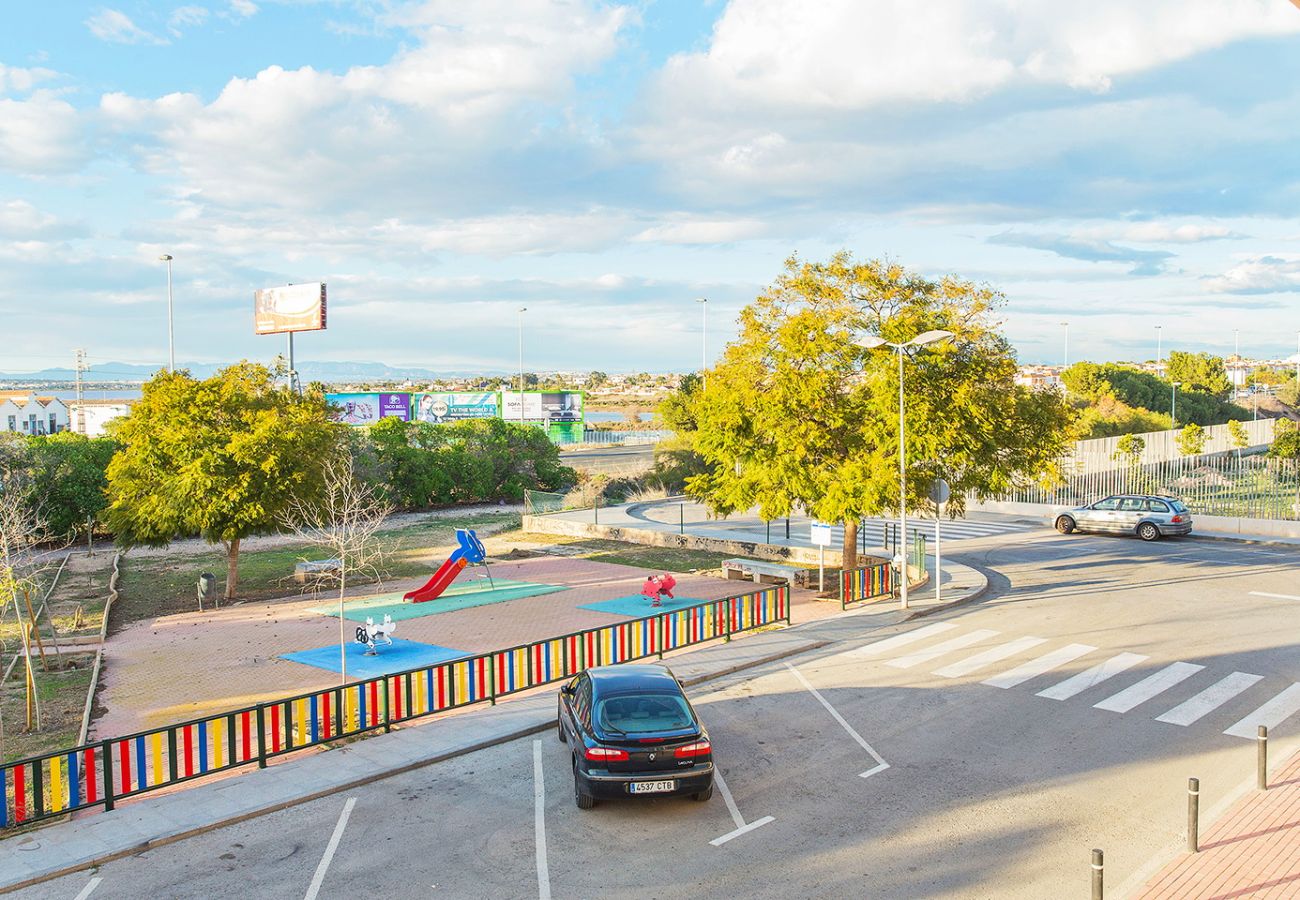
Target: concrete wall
column 1212, row 524
column 752, row 549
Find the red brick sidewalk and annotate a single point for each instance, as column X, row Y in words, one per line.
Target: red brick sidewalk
column 1251, row 851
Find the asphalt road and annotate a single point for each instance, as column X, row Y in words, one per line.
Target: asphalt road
column 632, row 458
column 999, row 743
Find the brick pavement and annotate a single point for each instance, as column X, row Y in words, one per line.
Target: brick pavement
column 1252, row 851
column 182, row 666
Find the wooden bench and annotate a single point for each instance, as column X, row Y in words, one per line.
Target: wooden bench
column 314, row 569
column 764, row 572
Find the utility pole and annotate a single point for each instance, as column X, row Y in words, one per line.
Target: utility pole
column 79, row 366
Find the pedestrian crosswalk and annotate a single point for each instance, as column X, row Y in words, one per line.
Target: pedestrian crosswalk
column 961, row 653
column 872, row 532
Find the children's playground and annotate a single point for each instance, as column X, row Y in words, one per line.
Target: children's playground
column 180, row 666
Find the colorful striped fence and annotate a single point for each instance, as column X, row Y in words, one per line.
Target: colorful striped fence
column 102, row 773
column 866, row 583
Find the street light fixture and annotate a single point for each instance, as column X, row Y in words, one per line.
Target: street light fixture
column 704, row 340
column 171, row 346
column 871, row 342
column 522, row 310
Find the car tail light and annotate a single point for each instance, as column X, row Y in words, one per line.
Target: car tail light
column 605, row 754
column 699, row 748
column 1176, row 519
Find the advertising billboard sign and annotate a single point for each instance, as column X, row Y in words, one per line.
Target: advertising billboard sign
column 294, row 307
column 542, row 406
column 438, row 408
column 367, row 409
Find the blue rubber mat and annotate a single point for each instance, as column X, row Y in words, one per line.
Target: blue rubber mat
column 638, row 606
column 454, row 598
column 397, row 658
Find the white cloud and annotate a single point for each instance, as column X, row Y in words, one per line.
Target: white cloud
column 1268, row 274
column 703, row 231
column 116, row 27
column 184, row 17
column 21, row 220
column 19, row 80
column 243, row 8
column 42, row 134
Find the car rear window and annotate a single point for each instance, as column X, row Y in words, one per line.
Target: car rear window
column 1157, row 506
column 638, row 713
column 1178, row 506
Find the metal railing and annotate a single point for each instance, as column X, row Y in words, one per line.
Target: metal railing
column 101, row 773
column 866, row 583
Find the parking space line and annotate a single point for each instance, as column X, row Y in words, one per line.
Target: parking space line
column 539, row 825
column 1274, row 596
column 881, row 765
column 319, row 878
column 89, row 888
column 741, row 827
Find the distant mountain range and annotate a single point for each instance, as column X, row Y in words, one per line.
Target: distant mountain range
column 309, row 371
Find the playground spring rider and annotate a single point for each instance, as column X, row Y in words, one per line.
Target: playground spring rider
column 657, row 586
column 368, row 633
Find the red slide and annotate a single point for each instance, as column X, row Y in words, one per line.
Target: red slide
column 445, row 575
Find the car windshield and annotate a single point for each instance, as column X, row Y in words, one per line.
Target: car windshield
column 634, row 713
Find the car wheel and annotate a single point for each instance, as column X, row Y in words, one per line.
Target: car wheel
column 702, row 796
column 1148, row 532
column 1065, row 525
column 584, row 801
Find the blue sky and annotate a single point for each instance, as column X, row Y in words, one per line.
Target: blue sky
column 441, row 163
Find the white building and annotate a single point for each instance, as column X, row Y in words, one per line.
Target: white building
column 25, row 413
column 90, row 416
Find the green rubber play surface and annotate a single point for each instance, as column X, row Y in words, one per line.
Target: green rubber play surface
column 461, row 596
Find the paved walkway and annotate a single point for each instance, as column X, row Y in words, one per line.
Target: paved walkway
column 1251, row 851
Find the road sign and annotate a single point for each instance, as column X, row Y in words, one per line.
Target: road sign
column 821, row 534
column 939, row 491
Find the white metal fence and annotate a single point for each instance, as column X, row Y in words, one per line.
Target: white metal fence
column 648, row 436
column 1098, row 454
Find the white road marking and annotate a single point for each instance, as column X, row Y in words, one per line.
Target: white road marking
column 1210, row 699
column 89, row 888
column 1271, row 714
column 1148, row 687
column 539, row 824
column 1077, row 684
column 920, row 656
column 1274, row 596
column 741, row 827
column 318, row 879
column 881, row 765
column 1035, row 667
column 989, row 657
column 899, row 640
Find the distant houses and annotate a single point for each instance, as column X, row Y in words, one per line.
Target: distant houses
column 26, row 413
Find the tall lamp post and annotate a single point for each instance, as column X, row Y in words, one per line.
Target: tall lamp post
column 1065, row 360
column 871, row 342
column 704, row 340
column 1160, row 357
column 171, row 345
column 522, row 310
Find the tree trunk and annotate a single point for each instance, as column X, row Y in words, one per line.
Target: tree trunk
column 232, row 568
column 850, row 551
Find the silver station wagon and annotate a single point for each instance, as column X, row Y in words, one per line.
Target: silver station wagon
column 1148, row 516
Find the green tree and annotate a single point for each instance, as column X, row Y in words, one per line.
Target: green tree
column 797, row 415
column 1286, row 440
column 1289, row 393
column 1200, row 372
column 1237, row 436
column 69, row 474
column 676, row 459
column 222, row 458
column 1191, row 440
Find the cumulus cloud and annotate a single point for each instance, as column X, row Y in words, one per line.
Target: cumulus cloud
column 42, row 134
column 20, row 80
column 21, row 221
column 116, row 27
column 243, row 8
column 1268, row 274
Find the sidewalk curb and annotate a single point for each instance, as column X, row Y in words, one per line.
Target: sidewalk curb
column 954, row 604
column 1242, row 539
column 357, row 783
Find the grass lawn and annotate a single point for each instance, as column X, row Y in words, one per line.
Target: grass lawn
column 641, row 556
column 62, row 699
column 161, row 585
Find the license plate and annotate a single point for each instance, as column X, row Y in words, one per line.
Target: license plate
column 652, row 787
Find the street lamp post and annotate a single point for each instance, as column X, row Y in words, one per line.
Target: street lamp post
column 522, row 310
column 704, row 340
column 871, row 342
column 1159, row 355
column 171, row 345
column 1066, row 358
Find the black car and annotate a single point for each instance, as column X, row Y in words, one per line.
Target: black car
column 633, row 732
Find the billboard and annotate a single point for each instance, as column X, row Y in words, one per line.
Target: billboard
column 542, row 406
column 294, row 307
column 367, row 409
column 438, row 408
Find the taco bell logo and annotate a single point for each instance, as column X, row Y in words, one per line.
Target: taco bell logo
column 398, row 405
